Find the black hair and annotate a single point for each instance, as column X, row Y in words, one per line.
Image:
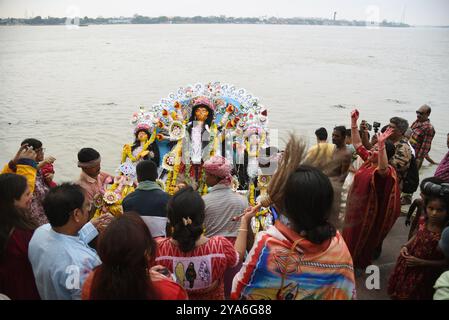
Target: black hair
column 309, row 197
column 341, row 129
column 88, row 154
column 390, row 149
column 61, row 201
column 146, row 171
column 321, row 134
column 348, row 132
column 136, row 143
column 12, row 187
column 153, row 147
column 428, row 197
column 186, row 204
column 443, row 199
column 36, row 144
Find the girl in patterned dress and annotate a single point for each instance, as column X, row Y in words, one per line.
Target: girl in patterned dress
column 421, row 261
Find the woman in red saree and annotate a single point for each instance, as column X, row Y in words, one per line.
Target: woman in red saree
column 373, row 203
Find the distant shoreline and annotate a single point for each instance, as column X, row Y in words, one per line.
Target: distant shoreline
column 221, row 24
column 137, row 19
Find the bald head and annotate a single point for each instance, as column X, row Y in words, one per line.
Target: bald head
column 423, row 113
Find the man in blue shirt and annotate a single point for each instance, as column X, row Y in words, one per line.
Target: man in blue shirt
column 59, row 252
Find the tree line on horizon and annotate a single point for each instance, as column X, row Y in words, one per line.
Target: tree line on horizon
column 138, row 19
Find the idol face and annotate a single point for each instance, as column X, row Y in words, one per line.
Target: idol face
column 201, row 114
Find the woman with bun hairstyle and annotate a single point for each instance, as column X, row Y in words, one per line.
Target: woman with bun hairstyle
column 198, row 262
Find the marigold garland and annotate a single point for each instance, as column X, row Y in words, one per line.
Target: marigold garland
column 176, row 167
column 252, row 194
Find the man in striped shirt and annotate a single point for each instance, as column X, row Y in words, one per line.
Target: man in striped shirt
column 222, row 204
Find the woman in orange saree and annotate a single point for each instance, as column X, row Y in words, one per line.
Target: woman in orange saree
column 373, row 203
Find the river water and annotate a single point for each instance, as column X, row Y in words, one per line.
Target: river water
column 74, row 88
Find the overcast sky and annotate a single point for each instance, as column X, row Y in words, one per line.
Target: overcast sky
column 415, row 12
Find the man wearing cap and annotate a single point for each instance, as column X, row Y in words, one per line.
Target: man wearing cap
column 91, row 178
column 222, row 204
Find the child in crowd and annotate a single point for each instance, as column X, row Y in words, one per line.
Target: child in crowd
column 418, row 205
column 48, row 172
column 421, row 261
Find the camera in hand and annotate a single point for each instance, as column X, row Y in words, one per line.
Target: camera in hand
column 376, row 126
column 369, row 127
column 436, row 189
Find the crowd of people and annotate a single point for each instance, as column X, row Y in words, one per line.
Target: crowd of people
column 333, row 206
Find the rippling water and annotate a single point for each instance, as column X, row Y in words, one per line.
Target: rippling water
column 79, row 88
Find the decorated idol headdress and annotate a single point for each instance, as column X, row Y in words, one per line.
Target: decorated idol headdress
column 203, row 101
column 234, row 109
column 142, row 126
column 144, row 120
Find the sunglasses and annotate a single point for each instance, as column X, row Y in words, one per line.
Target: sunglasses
column 419, row 113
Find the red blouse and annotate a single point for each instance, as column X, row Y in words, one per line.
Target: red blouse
column 166, row 288
column 16, row 275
